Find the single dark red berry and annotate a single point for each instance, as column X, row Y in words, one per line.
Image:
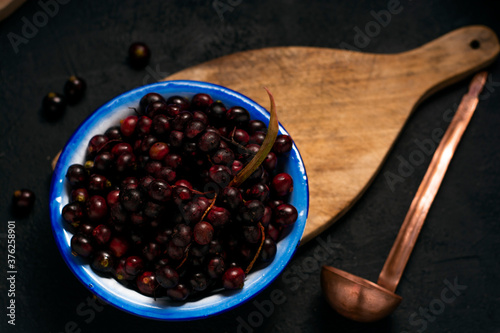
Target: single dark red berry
column 224, row 156
column 145, row 181
column 74, row 89
column 194, row 128
column 236, row 167
column 119, row 271
column 129, row 183
column 268, row 214
column 220, row 174
column 113, row 133
column 156, row 108
column 191, row 212
column 134, row 265
column 73, row 213
column 104, row 163
column 282, row 184
column 128, row 125
column 96, row 144
column 218, row 216
column 53, row 105
column 256, row 126
column 139, row 55
column 103, row 262
column 77, row 175
column 79, row 195
column 241, row 137
column 160, row 190
column 173, row 160
column 285, row 214
column 158, row 151
column 173, row 110
column 97, row 209
column 182, row 235
column 201, row 117
column 238, row 116
column 167, row 277
column 231, row 198
column 144, row 125
column 273, row 232
column 198, row 281
column 132, row 199
column 182, row 102
column 201, row 101
column 149, row 99
column 176, row 139
column 209, row 141
column 178, row 293
column 216, row 267
column 126, row 163
column 270, row 162
column 81, row 245
column 283, row 144
column 257, row 138
column 257, row 192
column 203, row 233
column 161, row 125
column 85, row 229
column 233, row 278
column 268, row 251
column 98, row 183
column 23, row 201
column 182, row 194
column 101, row 234
column 217, row 113
column 146, row 283
column 252, row 212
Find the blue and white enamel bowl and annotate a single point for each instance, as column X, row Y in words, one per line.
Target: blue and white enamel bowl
column 129, row 300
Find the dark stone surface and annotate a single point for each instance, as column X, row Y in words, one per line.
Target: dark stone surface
column 459, row 241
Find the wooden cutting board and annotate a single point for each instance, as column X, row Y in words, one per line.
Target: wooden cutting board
column 345, row 109
column 7, row 7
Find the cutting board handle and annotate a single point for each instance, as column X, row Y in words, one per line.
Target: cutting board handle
column 448, row 59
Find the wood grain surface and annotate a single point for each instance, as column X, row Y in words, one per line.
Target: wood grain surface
column 7, row 7
column 345, row 109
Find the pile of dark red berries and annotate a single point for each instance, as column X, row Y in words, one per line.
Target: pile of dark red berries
column 154, row 206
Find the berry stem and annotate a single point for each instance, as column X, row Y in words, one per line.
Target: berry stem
column 209, row 207
column 185, row 257
column 266, row 147
column 263, row 237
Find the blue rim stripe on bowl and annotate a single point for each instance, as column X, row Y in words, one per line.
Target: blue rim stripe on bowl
column 130, row 300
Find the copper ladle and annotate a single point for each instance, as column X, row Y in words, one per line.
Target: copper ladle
column 362, row 300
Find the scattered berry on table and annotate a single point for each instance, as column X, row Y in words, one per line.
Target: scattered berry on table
column 74, row 89
column 139, row 55
column 53, row 105
column 23, row 201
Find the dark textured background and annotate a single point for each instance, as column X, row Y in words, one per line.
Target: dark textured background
column 459, row 241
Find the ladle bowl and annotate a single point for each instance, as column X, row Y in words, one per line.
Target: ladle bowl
column 356, row 298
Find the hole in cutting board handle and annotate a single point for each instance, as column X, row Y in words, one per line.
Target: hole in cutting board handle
column 475, row 44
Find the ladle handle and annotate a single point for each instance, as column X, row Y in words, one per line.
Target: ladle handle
column 405, row 241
